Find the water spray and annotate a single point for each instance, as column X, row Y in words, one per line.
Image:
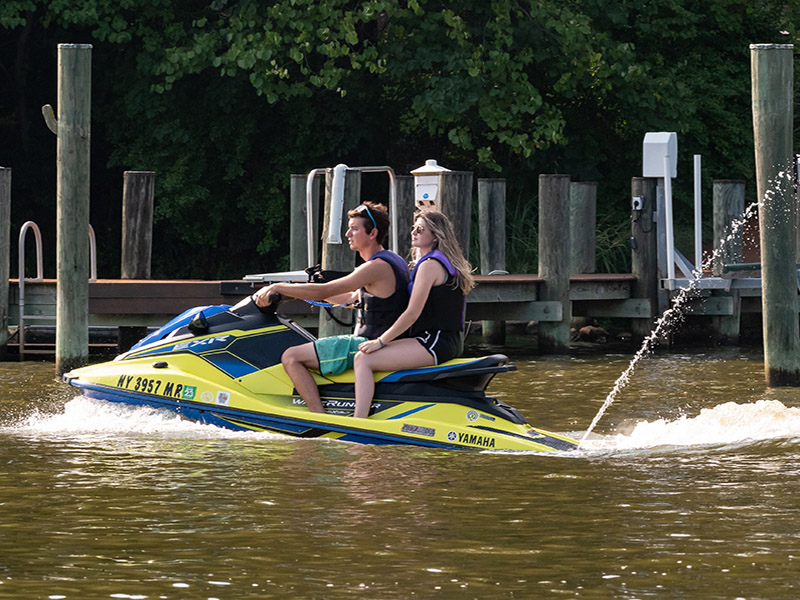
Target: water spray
column 675, row 314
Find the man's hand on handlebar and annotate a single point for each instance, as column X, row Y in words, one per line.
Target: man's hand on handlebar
column 266, row 296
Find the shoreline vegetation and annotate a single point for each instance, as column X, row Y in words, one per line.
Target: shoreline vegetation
column 225, row 101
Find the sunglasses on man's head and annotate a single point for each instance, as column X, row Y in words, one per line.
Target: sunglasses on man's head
column 364, row 207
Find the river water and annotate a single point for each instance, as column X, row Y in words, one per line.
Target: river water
column 687, row 488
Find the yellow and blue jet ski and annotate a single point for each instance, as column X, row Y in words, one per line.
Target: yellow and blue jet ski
column 222, row 366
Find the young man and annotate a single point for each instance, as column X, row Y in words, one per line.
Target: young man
column 379, row 286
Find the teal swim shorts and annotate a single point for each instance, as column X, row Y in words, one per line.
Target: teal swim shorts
column 335, row 353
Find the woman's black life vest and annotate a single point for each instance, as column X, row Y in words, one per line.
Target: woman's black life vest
column 445, row 307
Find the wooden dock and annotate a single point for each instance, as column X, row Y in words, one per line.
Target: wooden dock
column 150, row 303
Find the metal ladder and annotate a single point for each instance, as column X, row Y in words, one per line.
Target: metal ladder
column 23, row 232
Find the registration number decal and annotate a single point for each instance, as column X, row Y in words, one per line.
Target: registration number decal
column 148, row 385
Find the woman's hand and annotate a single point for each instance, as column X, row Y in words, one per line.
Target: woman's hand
column 371, row 346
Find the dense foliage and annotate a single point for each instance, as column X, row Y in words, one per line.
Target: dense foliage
column 224, row 99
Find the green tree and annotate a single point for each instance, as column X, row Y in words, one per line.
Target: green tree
column 225, row 99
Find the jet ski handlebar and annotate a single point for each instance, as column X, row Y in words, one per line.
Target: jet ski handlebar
column 274, row 300
column 248, row 305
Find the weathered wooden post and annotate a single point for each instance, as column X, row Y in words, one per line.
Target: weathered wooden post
column 728, row 207
column 405, row 214
column 554, row 259
column 644, row 251
column 298, row 222
column 338, row 257
column 455, row 193
column 582, row 220
column 138, row 198
column 772, row 89
column 73, row 130
column 796, row 170
column 492, row 237
column 5, row 251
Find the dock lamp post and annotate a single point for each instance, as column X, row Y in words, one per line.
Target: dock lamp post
column 426, row 184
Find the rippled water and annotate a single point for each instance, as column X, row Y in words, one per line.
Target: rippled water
column 686, row 489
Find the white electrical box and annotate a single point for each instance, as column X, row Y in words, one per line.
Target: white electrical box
column 657, row 145
column 426, row 184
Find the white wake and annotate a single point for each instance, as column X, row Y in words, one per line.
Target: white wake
column 726, row 423
column 84, row 416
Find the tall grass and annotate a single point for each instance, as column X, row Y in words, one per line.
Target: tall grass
column 522, row 239
column 612, row 241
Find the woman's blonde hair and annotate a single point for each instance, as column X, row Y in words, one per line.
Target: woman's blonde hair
column 446, row 242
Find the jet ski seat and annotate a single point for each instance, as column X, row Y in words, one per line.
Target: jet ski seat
column 469, row 378
column 458, row 368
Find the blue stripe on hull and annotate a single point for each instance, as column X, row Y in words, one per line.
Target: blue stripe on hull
column 241, row 420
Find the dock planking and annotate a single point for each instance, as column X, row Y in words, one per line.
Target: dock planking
column 150, row 302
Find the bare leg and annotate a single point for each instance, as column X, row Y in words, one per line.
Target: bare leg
column 297, row 360
column 399, row 354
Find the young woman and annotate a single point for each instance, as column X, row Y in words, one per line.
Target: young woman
column 434, row 319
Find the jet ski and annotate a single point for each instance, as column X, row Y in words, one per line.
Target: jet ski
column 221, row 365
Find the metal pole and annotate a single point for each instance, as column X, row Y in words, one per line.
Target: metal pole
column 698, row 219
column 393, row 230
column 668, row 218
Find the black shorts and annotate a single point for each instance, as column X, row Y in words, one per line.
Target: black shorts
column 442, row 345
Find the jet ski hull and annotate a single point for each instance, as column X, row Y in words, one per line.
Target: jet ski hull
column 232, row 378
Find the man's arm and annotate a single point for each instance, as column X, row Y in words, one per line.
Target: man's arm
column 339, row 291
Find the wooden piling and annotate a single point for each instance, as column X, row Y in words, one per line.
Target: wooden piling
column 772, row 91
column 582, row 221
column 554, row 259
column 338, row 257
column 138, row 199
column 72, row 212
column 405, row 214
column 644, row 252
column 5, row 252
column 728, row 206
column 298, row 222
column 492, row 237
column 455, row 193
column 796, row 172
